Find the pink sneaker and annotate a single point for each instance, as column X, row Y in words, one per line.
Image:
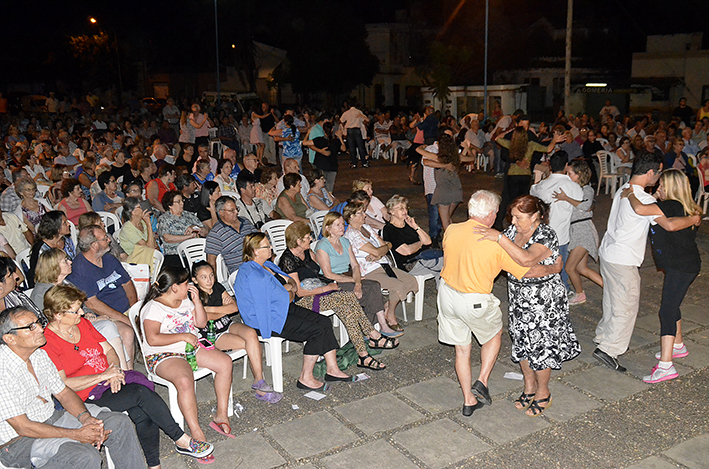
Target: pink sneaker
column 578, row 299
column 661, row 374
column 676, row 352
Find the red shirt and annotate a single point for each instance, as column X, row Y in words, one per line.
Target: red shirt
column 89, row 359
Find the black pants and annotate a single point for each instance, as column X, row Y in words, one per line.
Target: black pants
column 304, row 325
column 513, row 187
column 674, row 289
column 149, row 414
column 355, row 143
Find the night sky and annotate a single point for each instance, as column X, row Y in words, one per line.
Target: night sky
column 178, row 35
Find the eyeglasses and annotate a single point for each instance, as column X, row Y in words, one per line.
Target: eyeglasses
column 78, row 311
column 264, row 247
column 31, row 326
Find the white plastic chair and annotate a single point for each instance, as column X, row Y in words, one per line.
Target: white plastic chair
column 316, row 221
column 692, row 160
column 110, row 219
column 232, row 194
column 222, row 272
column 702, row 196
column 158, row 259
column 419, row 297
column 607, row 174
column 22, row 259
column 191, row 251
column 74, row 233
column 276, row 232
column 133, row 315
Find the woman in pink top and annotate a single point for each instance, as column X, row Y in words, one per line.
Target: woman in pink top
column 73, row 204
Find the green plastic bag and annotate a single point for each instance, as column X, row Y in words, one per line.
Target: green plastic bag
column 346, row 356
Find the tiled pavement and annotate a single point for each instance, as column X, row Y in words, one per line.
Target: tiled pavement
column 409, row 416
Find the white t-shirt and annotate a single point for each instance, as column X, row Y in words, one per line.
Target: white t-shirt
column 375, row 209
column 625, row 238
column 559, row 211
column 172, row 321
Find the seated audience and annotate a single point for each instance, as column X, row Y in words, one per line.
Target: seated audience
column 175, row 226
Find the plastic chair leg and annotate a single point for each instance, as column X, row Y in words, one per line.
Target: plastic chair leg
column 418, row 315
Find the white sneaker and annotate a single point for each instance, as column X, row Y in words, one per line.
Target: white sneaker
column 661, row 374
column 676, row 352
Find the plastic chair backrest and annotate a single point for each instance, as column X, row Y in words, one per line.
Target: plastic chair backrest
column 192, row 251
column 276, row 232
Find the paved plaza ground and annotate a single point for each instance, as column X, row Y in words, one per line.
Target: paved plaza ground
column 408, row 415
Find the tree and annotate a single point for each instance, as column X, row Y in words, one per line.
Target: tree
column 447, row 63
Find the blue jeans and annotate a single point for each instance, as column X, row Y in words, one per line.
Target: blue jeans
column 564, row 251
column 434, row 219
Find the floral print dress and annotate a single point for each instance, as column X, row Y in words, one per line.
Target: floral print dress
column 539, row 323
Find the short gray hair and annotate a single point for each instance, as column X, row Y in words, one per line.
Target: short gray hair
column 220, row 203
column 482, row 203
column 395, row 200
column 87, row 237
column 7, row 320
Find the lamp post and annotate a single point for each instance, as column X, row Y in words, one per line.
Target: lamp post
column 93, row 20
column 216, row 33
column 487, row 15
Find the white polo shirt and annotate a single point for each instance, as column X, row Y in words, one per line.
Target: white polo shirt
column 625, row 238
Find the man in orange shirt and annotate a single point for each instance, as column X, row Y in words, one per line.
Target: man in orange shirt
column 465, row 301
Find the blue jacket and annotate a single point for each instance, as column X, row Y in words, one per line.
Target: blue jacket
column 263, row 302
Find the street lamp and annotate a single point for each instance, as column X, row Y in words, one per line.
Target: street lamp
column 93, row 20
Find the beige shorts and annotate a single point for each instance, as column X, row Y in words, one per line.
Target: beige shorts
column 459, row 314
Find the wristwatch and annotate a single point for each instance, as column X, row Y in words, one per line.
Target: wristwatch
column 499, row 237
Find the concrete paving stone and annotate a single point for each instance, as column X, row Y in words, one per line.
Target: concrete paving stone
column 695, row 313
column 640, row 364
column 440, row 443
column 642, row 338
column 568, row 403
column 379, row 413
column 498, row 384
column 416, row 336
column 587, row 348
column 699, row 336
column 311, row 434
column 502, row 422
column 435, row 395
column 174, row 461
column 378, row 455
column 653, row 462
column 605, row 383
column 698, row 356
column 648, row 322
column 692, row 453
column 248, row 451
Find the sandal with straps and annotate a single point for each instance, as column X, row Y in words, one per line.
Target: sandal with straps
column 373, row 363
column 525, row 400
column 538, row 410
column 389, row 343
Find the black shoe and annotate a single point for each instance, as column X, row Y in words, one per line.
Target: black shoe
column 365, row 165
column 353, row 166
column 610, row 362
column 331, row 378
column 481, row 393
column 469, row 409
column 300, row 385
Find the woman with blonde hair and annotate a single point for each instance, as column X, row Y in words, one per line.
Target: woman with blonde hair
column 376, row 213
column 675, row 253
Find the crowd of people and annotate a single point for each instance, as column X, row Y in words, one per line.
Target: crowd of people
column 196, row 173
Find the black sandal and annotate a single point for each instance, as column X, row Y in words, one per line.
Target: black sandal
column 526, row 400
column 389, row 343
column 536, row 409
column 373, row 364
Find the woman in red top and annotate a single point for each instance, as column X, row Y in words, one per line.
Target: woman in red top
column 157, row 188
column 89, row 365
